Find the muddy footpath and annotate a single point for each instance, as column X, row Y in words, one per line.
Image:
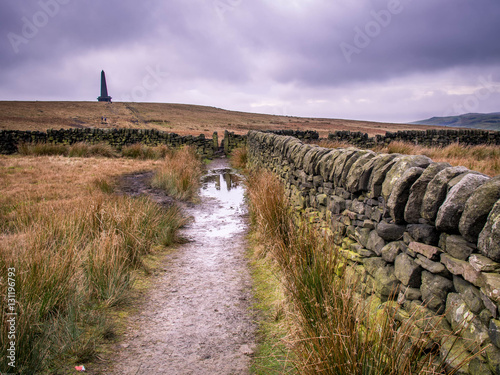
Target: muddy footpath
column 197, row 317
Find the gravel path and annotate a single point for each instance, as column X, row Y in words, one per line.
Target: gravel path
column 197, row 318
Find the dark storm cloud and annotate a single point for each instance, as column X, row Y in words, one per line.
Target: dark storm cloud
column 243, row 54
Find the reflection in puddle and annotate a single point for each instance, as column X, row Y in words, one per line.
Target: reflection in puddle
column 224, row 188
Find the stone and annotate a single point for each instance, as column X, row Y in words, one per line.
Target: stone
column 450, row 212
column 417, row 192
column 423, row 233
column 381, row 166
column 494, row 332
column 375, row 242
column 358, row 207
column 407, row 271
column 386, row 283
column 477, row 209
column 326, row 163
column 489, row 304
column 410, row 294
column 322, row 199
column 336, row 205
column 454, row 353
column 362, row 235
column 489, row 238
column 461, row 318
column 432, row 267
column 491, row 286
column 477, row 366
column 493, row 357
column 434, row 290
column 339, row 164
column 390, row 232
column 436, row 191
column 462, row 268
column 391, row 250
column 352, row 183
column 373, row 264
column 469, row 293
column 430, row 252
column 347, row 170
column 402, row 164
column 400, row 193
column 483, row 264
column 458, row 247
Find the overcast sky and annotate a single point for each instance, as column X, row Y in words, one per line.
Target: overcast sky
column 382, row 60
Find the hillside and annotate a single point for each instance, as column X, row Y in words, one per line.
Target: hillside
column 486, row 121
column 178, row 118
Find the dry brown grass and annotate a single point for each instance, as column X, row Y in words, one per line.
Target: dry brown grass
column 483, row 158
column 75, row 247
column 178, row 118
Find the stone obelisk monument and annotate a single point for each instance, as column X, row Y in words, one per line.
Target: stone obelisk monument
column 104, row 90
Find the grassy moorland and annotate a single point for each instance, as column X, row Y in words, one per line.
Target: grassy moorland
column 178, row 118
column 76, row 248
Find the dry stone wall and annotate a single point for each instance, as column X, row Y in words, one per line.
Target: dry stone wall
column 429, row 137
column 10, row 139
column 422, row 233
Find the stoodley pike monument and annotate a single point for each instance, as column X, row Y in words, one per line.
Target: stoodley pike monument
column 104, row 89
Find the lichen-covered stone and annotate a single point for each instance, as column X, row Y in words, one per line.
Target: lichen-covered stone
column 380, row 168
column 389, row 231
column 386, row 283
column 417, row 192
column 478, row 207
column 491, row 286
column 399, row 168
column 460, row 317
column 400, row 193
column 348, row 166
column 407, row 271
column 436, row 191
column 483, row 264
column 326, row 163
column 434, row 290
column 353, row 183
column 489, row 238
column 494, row 332
column 450, row 212
column 390, row 251
column 339, row 164
column 469, row 293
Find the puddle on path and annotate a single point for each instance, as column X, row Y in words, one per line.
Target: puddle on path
column 197, row 318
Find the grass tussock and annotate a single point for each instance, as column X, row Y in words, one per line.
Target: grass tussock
column 239, row 158
column 179, row 175
column 75, row 248
column 333, row 328
column 144, row 152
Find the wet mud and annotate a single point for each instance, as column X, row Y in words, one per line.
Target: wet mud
column 197, row 317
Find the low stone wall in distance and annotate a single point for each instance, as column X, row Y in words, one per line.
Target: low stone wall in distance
column 440, row 138
column 427, row 231
column 10, row 139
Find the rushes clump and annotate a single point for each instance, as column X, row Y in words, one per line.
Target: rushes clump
column 179, row 174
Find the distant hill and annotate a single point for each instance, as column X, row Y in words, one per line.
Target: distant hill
column 486, row 121
column 182, row 119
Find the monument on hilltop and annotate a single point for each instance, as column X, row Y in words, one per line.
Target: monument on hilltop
column 104, row 89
